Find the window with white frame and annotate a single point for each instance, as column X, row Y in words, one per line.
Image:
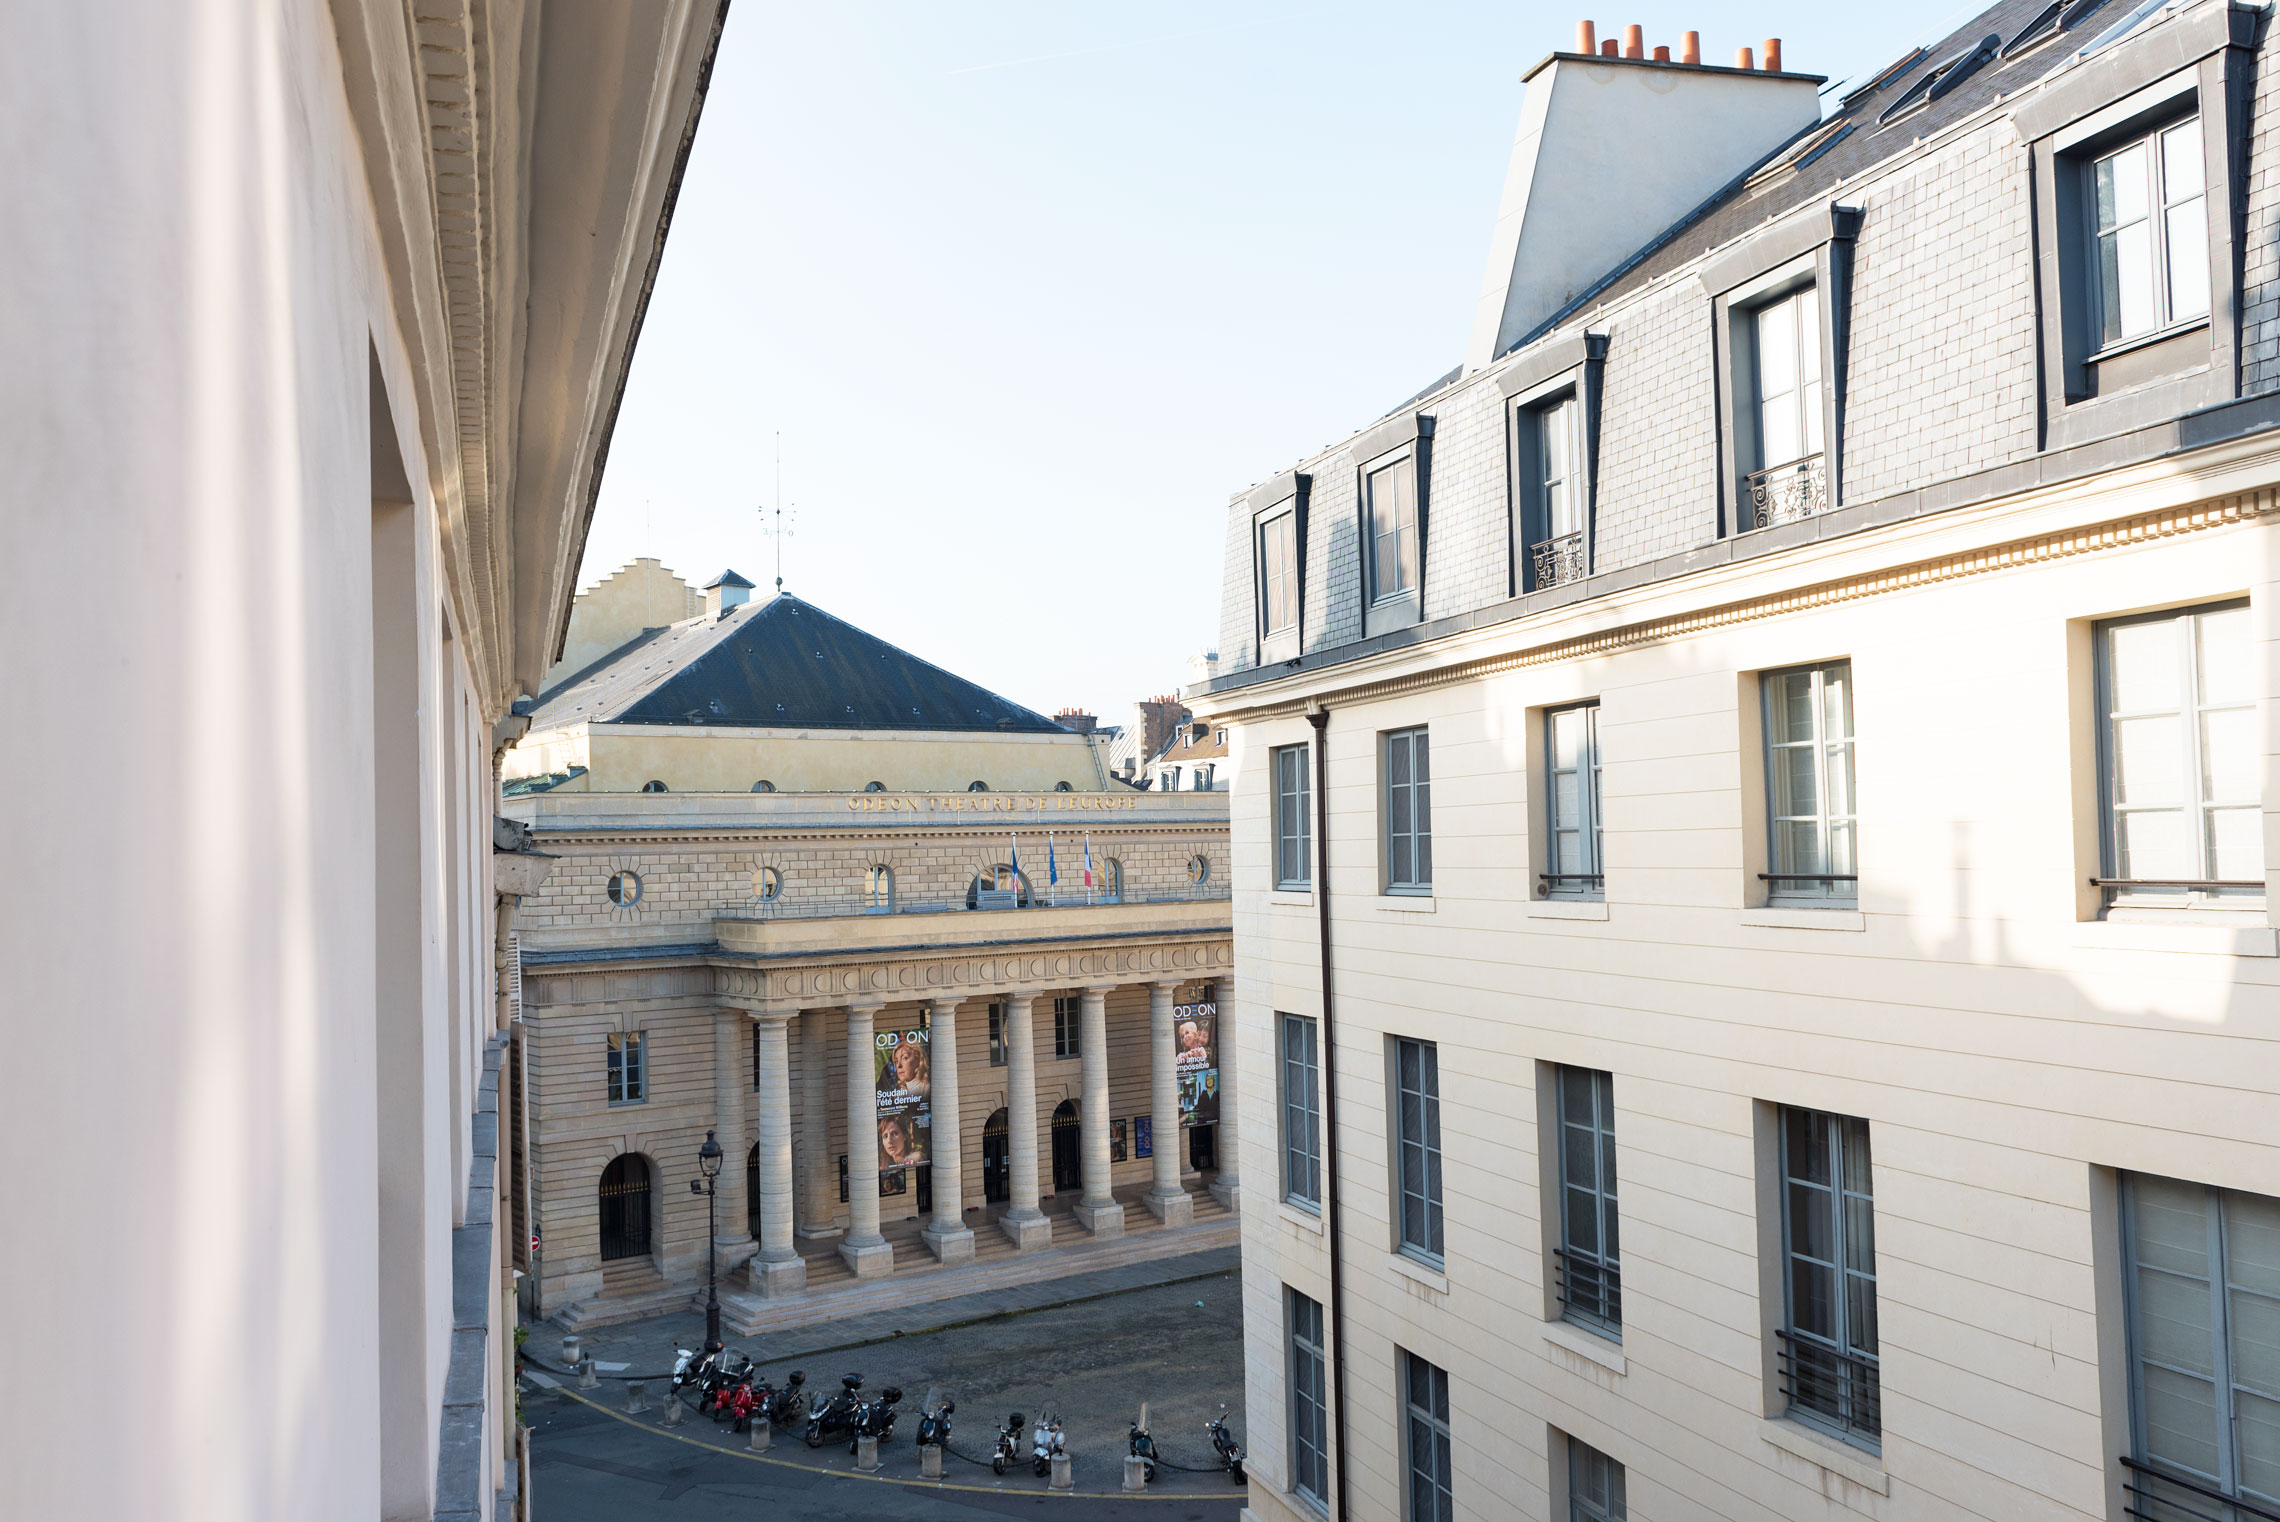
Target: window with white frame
column 1170, row 779
column 2181, row 759
column 2204, row 1338
column 1571, row 803
column 1787, row 355
column 1590, row 1253
column 628, row 1077
column 1553, row 499
column 1809, row 784
column 1066, row 1021
column 1278, row 572
column 1408, row 813
column 1389, row 504
column 1309, row 1398
column 1301, row 1113
column 1294, row 820
column 2149, row 222
column 1828, row 1356
column 1417, row 1146
column 879, row 891
column 1595, row 1485
column 1202, row 778
column 1431, row 1496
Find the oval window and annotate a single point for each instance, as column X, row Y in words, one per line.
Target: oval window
column 625, row 889
column 1199, row 869
column 977, row 787
column 1063, row 787
column 763, row 786
column 766, row 884
column 874, row 787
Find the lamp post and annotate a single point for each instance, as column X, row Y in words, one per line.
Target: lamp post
column 708, row 1164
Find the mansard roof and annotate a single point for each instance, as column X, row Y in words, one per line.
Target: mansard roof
column 779, row 664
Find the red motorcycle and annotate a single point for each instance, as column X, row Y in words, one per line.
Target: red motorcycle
column 739, row 1403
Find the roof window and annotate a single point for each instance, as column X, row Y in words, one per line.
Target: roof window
column 1891, row 71
column 654, row 786
column 2054, row 18
column 1942, row 77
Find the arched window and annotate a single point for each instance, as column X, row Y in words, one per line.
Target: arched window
column 625, row 889
column 1063, row 787
column 879, row 891
column 874, row 787
column 1007, row 889
column 1112, row 881
column 625, row 1207
column 1068, row 1148
column 654, row 786
column 763, row 786
column 977, row 786
column 767, row 883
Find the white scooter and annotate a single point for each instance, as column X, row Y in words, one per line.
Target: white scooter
column 1045, row 1444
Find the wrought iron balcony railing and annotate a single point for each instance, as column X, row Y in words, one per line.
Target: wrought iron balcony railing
column 791, row 905
column 2151, row 1493
column 1834, row 1388
column 1590, row 1288
column 1559, row 561
column 1789, row 492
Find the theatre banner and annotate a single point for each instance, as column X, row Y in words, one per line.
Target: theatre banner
column 1195, row 1032
column 906, row 1116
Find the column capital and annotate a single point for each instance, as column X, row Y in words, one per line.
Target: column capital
column 1103, row 989
column 948, row 1002
column 865, row 1006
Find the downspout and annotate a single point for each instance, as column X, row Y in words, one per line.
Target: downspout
column 1319, row 717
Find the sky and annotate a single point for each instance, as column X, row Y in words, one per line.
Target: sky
column 1028, row 291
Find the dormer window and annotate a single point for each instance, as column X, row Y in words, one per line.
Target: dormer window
column 2152, row 233
column 1277, row 518
column 1790, row 480
column 1389, row 504
column 1392, row 476
column 1278, row 572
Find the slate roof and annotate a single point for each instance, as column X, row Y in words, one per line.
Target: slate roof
column 779, row 664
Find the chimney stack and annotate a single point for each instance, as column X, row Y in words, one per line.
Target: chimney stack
column 1077, row 721
column 1609, row 49
column 1743, row 60
column 1773, row 55
column 1662, row 55
column 1586, row 37
column 1634, row 41
column 1690, row 47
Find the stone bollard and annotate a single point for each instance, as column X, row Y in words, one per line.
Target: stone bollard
column 763, row 1431
column 573, row 1349
column 867, row 1454
column 672, row 1409
column 930, row 1461
column 586, row 1379
column 1064, row 1473
column 634, row 1404
column 1135, row 1472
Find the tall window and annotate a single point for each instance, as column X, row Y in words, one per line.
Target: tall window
column 2184, row 802
column 1278, row 573
column 1430, row 1497
column 1309, row 1402
column 1408, row 813
column 1555, row 493
column 1809, row 777
column 997, row 1035
column 1169, row 779
column 1590, row 1268
column 1294, row 819
column 1788, row 353
column 2204, row 1315
column 2152, row 232
column 1111, row 881
column 1595, row 1485
column 1066, row 1020
column 1389, row 499
column 879, row 890
column 627, row 1077
column 1571, row 755
column 1828, row 1354
column 1301, row 1113
column 1203, row 771
column 1417, row 1091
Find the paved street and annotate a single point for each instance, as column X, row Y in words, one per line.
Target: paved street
column 1092, row 1361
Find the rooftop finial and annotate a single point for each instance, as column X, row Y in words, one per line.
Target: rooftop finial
column 782, row 528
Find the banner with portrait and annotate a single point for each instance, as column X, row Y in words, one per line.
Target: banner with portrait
column 1195, row 1042
column 904, row 1070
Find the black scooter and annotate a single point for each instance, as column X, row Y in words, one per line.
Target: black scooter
column 1008, row 1445
column 1223, row 1443
column 832, row 1416
column 1143, row 1448
column 934, row 1424
column 781, row 1408
column 874, row 1418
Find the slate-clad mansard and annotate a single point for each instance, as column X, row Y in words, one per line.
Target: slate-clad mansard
column 810, row 888
column 1753, row 800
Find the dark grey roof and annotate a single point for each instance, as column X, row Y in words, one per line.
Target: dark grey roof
column 726, row 579
column 778, row 664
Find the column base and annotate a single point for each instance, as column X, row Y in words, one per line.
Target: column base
column 1229, row 1194
column 1028, row 1232
column 732, row 1252
column 870, row 1260
column 1101, row 1220
column 949, row 1246
column 774, row 1278
column 1174, row 1209
column 813, row 1233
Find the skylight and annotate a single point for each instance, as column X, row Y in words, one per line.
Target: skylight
column 1943, row 77
column 2054, row 18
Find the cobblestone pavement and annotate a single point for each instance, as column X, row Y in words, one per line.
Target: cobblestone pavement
column 1090, row 1348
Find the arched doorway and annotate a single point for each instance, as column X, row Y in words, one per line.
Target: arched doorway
column 752, row 1190
column 997, row 1160
column 1068, row 1148
column 625, row 1208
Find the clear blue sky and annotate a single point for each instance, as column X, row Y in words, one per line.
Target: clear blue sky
column 1031, row 289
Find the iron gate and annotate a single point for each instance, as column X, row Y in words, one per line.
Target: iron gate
column 625, row 1209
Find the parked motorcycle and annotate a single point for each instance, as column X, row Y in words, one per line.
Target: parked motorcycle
column 690, row 1366
column 1008, row 1445
column 781, row 1408
column 1045, row 1444
column 738, row 1405
column 934, row 1423
column 718, row 1380
column 1223, row 1443
column 1143, row 1448
column 874, row 1418
column 831, row 1416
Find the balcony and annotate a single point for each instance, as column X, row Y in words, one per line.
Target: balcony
column 2155, row 1493
column 1556, row 562
column 1833, row 1389
column 1786, row 493
column 1591, row 1289
column 857, row 931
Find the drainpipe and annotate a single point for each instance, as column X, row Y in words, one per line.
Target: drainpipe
column 1319, row 717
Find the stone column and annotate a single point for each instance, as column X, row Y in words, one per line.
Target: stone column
column 1227, row 1188
column 779, row 1269
column 732, row 1216
column 1098, row 1212
column 1022, row 1221
column 865, row 1250
column 948, row 1236
column 819, row 1179
column 1167, row 1199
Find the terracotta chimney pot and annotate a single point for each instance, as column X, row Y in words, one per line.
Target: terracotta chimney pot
column 1743, row 60
column 1609, row 49
column 1634, row 41
column 1690, row 47
column 1586, row 37
column 1773, row 55
column 1662, row 55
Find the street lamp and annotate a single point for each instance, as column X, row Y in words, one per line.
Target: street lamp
column 708, row 1164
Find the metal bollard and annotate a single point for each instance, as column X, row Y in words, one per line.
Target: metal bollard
column 930, row 1461
column 672, row 1409
column 867, row 1454
column 573, row 1350
column 634, row 1404
column 586, row 1379
column 1064, row 1472
column 1135, row 1472
column 763, row 1431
